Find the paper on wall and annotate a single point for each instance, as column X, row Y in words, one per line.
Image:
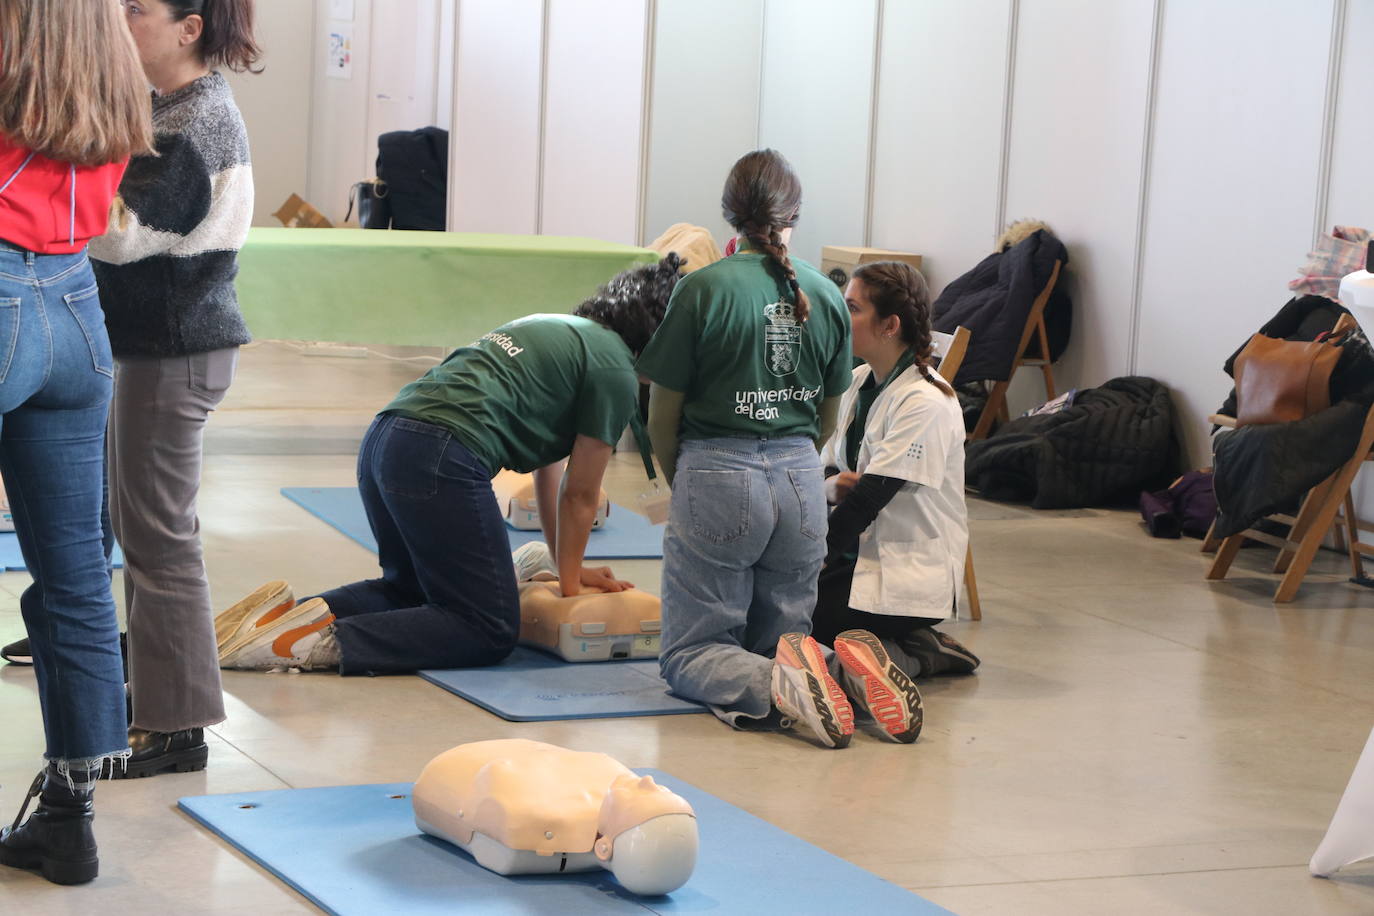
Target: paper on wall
column 339, row 63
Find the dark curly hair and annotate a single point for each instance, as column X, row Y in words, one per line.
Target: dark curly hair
column 633, row 303
column 898, row 289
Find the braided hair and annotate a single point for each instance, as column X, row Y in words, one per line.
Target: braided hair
column 898, row 289
column 762, row 197
column 633, row 303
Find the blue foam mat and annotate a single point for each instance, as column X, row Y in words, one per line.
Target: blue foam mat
column 627, row 535
column 12, row 558
column 532, row 686
column 356, row 850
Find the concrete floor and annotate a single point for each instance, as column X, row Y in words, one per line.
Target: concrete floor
column 1138, row 741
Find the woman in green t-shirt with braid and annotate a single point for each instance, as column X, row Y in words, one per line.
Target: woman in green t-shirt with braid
column 747, row 371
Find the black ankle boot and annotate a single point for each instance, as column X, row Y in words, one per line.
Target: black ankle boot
column 57, row 839
column 161, row 752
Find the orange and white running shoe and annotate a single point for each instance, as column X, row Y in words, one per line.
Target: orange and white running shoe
column 878, row 686
column 263, row 606
column 806, row 694
column 282, row 643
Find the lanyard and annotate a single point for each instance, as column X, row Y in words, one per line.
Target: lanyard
column 642, row 440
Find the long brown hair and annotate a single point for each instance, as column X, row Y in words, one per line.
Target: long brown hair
column 899, row 289
column 762, row 197
column 71, row 86
column 227, row 37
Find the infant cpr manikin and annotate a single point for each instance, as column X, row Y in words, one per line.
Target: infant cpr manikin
column 515, row 496
column 591, row 627
column 524, row 807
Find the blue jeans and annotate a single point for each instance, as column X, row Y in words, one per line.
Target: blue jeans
column 56, row 377
column 447, row 596
column 744, row 545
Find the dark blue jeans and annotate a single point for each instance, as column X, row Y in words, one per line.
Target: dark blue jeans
column 447, row 596
column 56, row 378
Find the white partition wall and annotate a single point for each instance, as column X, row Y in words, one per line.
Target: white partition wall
column 338, row 116
column 497, row 97
column 704, row 111
column 937, row 159
column 594, row 118
column 403, row 79
column 816, row 109
column 1076, row 149
column 1350, row 196
column 276, row 104
column 1234, row 174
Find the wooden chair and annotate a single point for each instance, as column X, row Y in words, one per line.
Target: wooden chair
column 951, row 348
column 1328, row 506
column 996, row 406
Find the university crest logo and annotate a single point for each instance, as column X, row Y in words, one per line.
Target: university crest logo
column 781, row 337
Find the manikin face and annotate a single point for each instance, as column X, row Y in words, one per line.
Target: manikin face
column 162, row 40
column 871, row 333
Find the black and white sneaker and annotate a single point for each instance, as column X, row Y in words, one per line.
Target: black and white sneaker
column 19, row 653
column 938, row 653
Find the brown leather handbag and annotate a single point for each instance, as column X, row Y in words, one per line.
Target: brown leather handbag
column 1279, row 381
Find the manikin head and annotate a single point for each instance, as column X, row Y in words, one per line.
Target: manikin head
column 647, row 836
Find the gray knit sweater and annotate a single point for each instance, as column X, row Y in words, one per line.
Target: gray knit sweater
column 166, row 266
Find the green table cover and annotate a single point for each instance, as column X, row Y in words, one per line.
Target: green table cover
column 372, row 286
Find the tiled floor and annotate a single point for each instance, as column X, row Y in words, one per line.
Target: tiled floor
column 1138, row 741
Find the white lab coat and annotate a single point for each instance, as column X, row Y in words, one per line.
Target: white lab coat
column 911, row 559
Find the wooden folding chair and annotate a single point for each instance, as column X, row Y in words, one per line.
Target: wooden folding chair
column 996, row 406
column 950, row 349
column 1328, row 506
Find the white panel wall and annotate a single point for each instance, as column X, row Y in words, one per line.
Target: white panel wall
column 403, row 89
column 939, row 136
column 593, row 122
column 1076, row 152
column 1233, row 186
column 338, row 118
column 816, row 109
column 276, row 104
column 705, row 108
column 1350, row 201
column 494, row 146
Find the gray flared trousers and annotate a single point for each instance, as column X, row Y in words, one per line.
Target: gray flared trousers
column 157, row 422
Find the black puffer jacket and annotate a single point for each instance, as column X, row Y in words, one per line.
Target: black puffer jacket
column 1266, row 468
column 993, row 300
column 1113, row 442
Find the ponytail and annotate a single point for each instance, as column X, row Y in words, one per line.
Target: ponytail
column 762, row 197
column 227, row 38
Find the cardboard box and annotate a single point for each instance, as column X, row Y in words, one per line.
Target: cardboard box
column 297, row 212
column 838, row 261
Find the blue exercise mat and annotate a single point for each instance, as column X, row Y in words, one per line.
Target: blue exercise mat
column 12, row 559
column 356, row 850
column 532, row 686
column 627, row 535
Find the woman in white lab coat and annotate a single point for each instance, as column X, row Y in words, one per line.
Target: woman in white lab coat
column 899, row 529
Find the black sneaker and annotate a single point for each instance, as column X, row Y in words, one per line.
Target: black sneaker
column 19, row 653
column 938, row 653
column 160, row 752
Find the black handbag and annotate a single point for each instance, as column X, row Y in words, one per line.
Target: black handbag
column 373, row 202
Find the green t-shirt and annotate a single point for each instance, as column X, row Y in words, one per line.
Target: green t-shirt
column 520, row 396
column 732, row 345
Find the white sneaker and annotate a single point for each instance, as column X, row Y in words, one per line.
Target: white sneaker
column 806, row 694
column 281, row 643
column 533, row 559
column 878, row 686
column 263, row 606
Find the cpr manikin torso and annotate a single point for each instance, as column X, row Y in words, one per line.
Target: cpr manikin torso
column 515, row 497
column 525, row 807
column 591, row 627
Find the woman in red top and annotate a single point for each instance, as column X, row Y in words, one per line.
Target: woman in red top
column 73, row 108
